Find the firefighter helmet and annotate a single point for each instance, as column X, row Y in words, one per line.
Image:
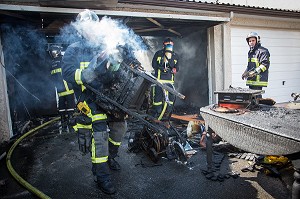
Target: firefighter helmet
column 87, row 15
column 55, row 51
column 253, row 34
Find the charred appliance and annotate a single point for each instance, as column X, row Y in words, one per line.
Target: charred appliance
column 126, row 94
column 238, row 98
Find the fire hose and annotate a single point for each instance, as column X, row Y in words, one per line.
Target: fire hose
column 14, row 173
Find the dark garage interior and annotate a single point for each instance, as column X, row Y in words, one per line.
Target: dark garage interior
column 26, row 36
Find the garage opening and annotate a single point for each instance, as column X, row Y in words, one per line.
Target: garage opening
column 31, row 90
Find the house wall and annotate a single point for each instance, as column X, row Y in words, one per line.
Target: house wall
column 219, row 59
column 219, row 48
column 279, row 4
column 5, row 122
column 281, row 37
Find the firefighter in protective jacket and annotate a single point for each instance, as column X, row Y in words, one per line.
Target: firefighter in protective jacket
column 98, row 132
column 165, row 65
column 257, row 71
column 66, row 98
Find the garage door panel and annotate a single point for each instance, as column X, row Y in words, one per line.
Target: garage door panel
column 284, row 74
column 278, row 42
column 278, row 51
column 292, row 59
column 288, row 82
column 279, row 67
column 283, row 94
column 284, row 47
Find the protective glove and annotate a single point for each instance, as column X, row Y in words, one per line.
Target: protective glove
column 252, row 73
column 248, row 74
column 245, row 75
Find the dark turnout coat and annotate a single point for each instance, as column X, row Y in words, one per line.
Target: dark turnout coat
column 258, row 57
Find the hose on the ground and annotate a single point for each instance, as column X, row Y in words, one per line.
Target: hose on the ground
column 14, row 173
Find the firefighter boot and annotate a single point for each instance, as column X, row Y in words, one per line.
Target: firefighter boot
column 103, row 178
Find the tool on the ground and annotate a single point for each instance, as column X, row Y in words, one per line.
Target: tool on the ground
column 295, row 96
column 269, row 164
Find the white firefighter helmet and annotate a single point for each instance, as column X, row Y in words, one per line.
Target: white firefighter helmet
column 87, row 15
column 251, row 35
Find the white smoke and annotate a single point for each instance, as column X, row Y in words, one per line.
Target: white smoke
column 108, row 34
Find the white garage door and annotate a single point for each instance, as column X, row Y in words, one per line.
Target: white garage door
column 284, row 71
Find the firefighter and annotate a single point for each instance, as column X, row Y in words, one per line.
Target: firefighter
column 165, row 65
column 98, row 132
column 65, row 93
column 257, row 70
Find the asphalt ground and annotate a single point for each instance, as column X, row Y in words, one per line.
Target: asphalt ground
column 52, row 163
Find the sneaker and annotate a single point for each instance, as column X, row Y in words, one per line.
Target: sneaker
column 107, row 187
column 113, row 164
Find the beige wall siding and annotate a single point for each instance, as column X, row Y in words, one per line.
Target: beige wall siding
column 279, row 4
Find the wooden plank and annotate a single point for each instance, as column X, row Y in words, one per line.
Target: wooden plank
column 188, row 118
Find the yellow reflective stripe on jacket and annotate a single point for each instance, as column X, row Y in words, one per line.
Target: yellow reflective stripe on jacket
column 99, row 160
column 255, row 60
column 158, row 59
column 162, row 80
column 84, row 65
column 66, row 85
column 163, row 111
column 263, row 68
column 98, row 117
column 69, row 92
column 54, row 71
column 257, row 83
column 153, row 102
column 82, row 126
column 114, row 142
column 78, row 76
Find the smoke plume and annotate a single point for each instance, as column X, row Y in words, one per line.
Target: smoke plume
column 107, row 34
